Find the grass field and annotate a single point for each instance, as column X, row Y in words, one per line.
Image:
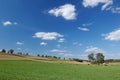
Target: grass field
column 32, row 70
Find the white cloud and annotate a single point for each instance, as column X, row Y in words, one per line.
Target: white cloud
column 83, row 29
column 58, row 51
column 94, row 3
column 67, row 11
column 43, row 43
column 8, row 23
column 19, row 43
column 113, row 36
column 68, row 55
column 115, row 9
column 64, row 53
column 112, row 56
column 77, row 44
column 47, row 35
column 92, row 49
column 61, row 40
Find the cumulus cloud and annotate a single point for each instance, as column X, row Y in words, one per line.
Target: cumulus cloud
column 94, row 3
column 61, row 40
column 92, row 49
column 67, row 11
column 19, row 43
column 8, row 23
column 113, row 36
column 47, row 35
column 83, row 29
column 43, row 43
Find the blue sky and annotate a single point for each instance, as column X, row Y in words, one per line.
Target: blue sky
column 66, row 28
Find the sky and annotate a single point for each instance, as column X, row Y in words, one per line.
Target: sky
column 65, row 28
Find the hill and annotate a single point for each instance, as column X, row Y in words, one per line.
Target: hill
column 4, row 56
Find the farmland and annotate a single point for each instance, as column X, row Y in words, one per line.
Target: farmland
column 35, row 70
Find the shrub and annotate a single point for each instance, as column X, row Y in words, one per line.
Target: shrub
column 78, row 60
column 3, row 51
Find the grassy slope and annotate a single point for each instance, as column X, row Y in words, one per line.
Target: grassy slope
column 4, row 56
column 32, row 70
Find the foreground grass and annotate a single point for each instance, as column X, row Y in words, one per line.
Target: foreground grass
column 31, row 70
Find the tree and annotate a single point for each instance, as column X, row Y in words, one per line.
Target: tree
column 11, row 51
column 91, row 57
column 78, row 60
column 59, row 57
column 42, row 55
column 55, row 57
column 3, row 51
column 27, row 54
column 46, row 56
column 20, row 53
column 38, row 55
column 100, row 58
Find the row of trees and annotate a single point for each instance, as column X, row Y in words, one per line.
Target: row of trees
column 46, row 56
column 20, row 53
column 11, row 51
column 55, row 57
column 99, row 58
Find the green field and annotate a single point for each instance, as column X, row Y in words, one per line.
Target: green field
column 32, row 70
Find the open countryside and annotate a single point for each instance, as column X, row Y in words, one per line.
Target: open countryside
column 59, row 40
column 16, row 67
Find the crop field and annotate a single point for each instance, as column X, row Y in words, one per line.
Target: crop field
column 33, row 70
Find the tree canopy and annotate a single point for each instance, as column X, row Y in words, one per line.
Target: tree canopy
column 99, row 58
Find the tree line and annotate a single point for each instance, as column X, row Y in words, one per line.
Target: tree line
column 11, row 51
column 98, row 59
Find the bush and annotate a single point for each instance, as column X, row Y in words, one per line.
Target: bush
column 3, row 51
column 78, row 60
column 55, row 57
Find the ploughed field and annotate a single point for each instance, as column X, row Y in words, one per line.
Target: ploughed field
column 33, row 70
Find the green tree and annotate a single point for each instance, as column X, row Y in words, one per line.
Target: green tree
column 42, row 55
column 91, row 57
column 20, row 53
column 59, row 57
column 46, row 56
column 27, row 54
column 11, row 51
column 3, row 51
column 38, row 55
column 100, row 58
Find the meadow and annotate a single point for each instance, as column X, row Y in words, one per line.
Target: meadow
column 34, row 70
